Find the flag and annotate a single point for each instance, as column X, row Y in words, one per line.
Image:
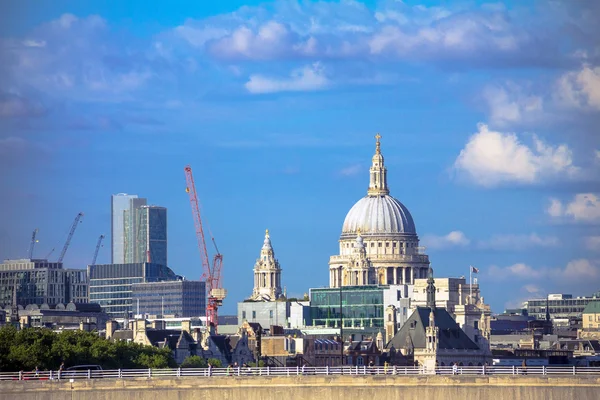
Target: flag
column 474, row 270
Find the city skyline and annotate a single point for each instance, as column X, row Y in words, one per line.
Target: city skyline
column 486, row 112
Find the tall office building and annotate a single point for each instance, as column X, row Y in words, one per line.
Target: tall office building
column 119, row 204
column 41, row 282
column 145, row 233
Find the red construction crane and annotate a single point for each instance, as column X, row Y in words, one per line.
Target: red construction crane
column 211, row 275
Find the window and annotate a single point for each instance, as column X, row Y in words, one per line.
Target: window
column 270, row 313
column 360, row 361
column 253, row 314
column 243, row 314
column 476, row 324
column 379, row 244
column 387, row 244
column 394, row 244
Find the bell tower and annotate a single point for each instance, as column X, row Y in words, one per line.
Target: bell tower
column 267, row 273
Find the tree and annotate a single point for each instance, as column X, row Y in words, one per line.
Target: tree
column 194, row 362
column 215, row 362
column 45, row 349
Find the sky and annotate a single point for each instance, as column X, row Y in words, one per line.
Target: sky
column 488, row 113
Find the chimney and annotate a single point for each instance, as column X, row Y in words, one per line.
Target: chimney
column 158, row 324
column 186, row 326
column 111, row 327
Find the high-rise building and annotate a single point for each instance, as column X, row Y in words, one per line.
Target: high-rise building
column 145, row 233
column 119, row 204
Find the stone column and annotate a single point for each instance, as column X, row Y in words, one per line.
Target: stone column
column 395, row 275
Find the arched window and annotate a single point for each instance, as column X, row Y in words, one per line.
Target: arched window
column 360, row 361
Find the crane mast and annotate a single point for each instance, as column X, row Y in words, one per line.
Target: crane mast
column 30, row 254
column 97, row 249
column 211, row 275
column 71, row 232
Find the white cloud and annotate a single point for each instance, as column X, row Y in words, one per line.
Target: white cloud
column 351, row 170
column 491, row 158
column 576, row 271
column 518, row 242
column 509, row 104
column 592, row 243
column 309, row 78
column 452, row 239
column 580, row 88
column 533, row 289
column 585, row 207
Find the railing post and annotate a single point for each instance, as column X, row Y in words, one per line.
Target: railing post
column 238, row 368
column 268, row 370
column 20, row 375
column 543, row 370
column 513, row 369
column 297, row 370
column 573, row 370
column 394, row 370
column 51, row 377
column 483, row 369
column 120, row 373
column 89, row 374
column 327, row 369
column 149, row 372
column 179, row 372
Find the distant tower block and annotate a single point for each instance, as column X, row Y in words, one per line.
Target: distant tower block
column 267, row 274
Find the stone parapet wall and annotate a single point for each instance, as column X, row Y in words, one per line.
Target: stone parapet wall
column 307, row 387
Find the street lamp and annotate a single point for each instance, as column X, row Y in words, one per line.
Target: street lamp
column 341, row 329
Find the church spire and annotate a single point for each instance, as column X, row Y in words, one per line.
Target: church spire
column 430, row 290
column 378, row 173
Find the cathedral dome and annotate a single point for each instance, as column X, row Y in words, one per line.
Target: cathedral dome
column 379, row 215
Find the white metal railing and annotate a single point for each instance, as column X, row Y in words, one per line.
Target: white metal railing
column 292, row 371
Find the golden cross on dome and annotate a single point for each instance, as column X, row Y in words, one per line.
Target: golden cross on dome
column 267, row 232
column 378, row 144
column 378, row 136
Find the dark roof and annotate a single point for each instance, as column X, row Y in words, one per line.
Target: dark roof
column 412, row 333
column 361, row 346
column 223, row 344
column 156, row 336
column 123, row 334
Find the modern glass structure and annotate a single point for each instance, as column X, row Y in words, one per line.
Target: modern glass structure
column 41, row 282
column 145, row 232
column 179, row 298
column 362, row 307
column 559, row 306
column 111, row 284
column 119, row 204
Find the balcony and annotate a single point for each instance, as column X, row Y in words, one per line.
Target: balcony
column 415, row 258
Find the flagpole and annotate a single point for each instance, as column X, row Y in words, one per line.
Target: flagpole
column 470, row 284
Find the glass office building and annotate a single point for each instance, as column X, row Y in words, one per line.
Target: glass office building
column 179, row 298
column 362, row 307
column 145, row 232
column 559, row 306
column 119, row 204
column 111, row 284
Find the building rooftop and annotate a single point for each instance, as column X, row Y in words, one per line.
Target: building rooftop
column 593, row 307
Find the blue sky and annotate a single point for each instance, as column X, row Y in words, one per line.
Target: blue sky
column 487, row 113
